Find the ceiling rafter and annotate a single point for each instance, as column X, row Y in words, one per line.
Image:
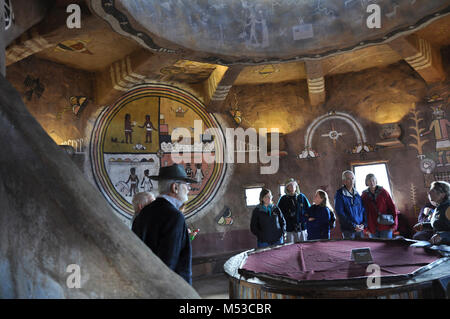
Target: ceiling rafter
column 218, row 85
column 316, row 82
column 139, row 67
column 422, row 56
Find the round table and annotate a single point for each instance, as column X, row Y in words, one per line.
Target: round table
column 400, row 268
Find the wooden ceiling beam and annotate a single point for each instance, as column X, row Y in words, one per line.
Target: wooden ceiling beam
column 422, row 56
column 49, row 32
column 315, row 78
column 139, row 67
column 218, row 85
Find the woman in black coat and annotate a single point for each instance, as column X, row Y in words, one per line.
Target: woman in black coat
column 267, row 223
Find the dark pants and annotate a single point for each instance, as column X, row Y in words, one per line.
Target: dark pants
column 263, row 244
column 346, row 234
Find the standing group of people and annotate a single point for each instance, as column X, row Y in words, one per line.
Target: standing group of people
column 373, row 213
column 161, row 225
column 295, row 219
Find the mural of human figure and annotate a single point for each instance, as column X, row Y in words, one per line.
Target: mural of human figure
column 258, row 33
column 147, row 182
column 199, row 174
column 148, row 129
column 439, row 126
column 134, row 181
column 188, row 170
column 128, row 129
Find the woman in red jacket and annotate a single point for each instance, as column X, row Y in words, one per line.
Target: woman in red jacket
column 380, row 209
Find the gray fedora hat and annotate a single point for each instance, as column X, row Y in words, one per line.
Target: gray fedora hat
column 175, row 172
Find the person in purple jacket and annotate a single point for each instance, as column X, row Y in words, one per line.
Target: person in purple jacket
column 320, row 217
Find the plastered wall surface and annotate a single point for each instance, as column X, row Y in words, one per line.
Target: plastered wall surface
column 368, row 101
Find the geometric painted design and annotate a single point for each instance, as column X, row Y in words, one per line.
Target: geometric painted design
column 357, row 128
column 135, row 136
column 423, row 59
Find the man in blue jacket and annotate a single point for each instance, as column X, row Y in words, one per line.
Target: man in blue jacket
column 349, row 208
column 161, row 224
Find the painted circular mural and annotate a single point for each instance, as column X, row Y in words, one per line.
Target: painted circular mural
column 149, row 127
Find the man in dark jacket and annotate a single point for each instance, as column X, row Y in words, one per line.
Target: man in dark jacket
column 349, row 208
column 161, row 224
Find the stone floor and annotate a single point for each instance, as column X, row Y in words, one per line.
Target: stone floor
column 212, row 286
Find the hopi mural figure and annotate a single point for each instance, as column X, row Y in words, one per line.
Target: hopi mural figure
column 148, row 125
column 124, row 154
column 134, row 181
column 128, row 130
column 439, row 128
column 255, row 33
column 430, row 161
column 146, row 183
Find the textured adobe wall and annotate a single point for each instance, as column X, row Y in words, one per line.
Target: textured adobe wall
column 53, row 108
column 373, row 97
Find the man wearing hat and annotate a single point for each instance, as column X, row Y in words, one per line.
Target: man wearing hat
column 161, row 224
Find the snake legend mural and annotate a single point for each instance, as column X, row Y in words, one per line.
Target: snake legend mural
column 133, row 138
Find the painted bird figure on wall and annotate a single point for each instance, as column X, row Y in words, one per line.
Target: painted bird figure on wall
column 34, row 86
column 78, row 104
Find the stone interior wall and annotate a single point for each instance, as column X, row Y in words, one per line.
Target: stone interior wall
column 47, row 96
column 373, row 97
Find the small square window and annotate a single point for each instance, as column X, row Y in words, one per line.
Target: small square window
column 252, row 195
column 282, row 190
column 380, row 172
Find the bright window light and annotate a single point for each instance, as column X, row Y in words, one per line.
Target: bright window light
column 282, row 188
column 252, row 195
column 380, row 172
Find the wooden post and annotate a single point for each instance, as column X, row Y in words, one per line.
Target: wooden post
column 316, row 82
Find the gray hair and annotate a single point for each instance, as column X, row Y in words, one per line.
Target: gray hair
column 368, row 177
column 441, row 187
column 164, row 186
column 345, row 173
column 296, row 187
column 142, row 198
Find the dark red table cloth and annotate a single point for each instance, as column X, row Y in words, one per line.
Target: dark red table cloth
column 332, row 260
